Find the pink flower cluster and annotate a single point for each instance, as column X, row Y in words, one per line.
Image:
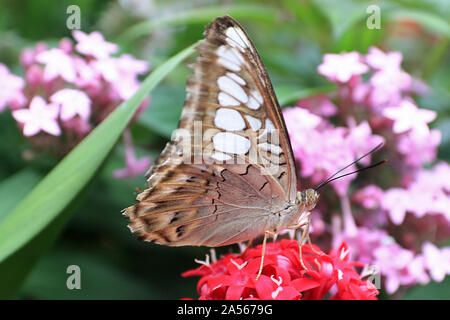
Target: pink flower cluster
column 398, row 228
column 70, row 89
column 284, row 277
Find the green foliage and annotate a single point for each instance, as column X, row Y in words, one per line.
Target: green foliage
column 74, row 209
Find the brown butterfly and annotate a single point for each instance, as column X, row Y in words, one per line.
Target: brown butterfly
column 228, row 175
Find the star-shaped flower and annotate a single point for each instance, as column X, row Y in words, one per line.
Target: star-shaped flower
column 94, row 44
column 57, row 63
column 72, row 102
column 407, row 116
column 437, row 261
column 10, row 88
column 377, row 59
column 341, row 67
column 39, row 116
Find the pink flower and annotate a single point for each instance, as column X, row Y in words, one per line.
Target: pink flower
column 397, row 202
column 362, row 140
column 341, row 67
column 10, row 89
column 72, row 102
column 388, row 85
column 133, row 166
column 419, row 148
column 319, row 105
column 57, row 63
column 369, row 197
column 39, row 116
column 94, row 44
column 427, row 194
column 437, row 261
column 408, row 117
column 87, row 76
column 363, row 243
column 380, row 60
column 122, row 73
column 393, row 262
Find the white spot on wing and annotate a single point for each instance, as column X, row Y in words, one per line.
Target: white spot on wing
column 231, row 143
column 236, row 78
column 255, row 123
column 237, row 37
column 253, row 104
column 229, row 119
column 257, row 96
column 269, row 125
column 219, row 156
column 255, row 100
column 230, row 58
column 270, row 147
column 229, row 86
column 227, row 100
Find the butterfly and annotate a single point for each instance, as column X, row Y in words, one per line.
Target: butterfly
column 229, row 174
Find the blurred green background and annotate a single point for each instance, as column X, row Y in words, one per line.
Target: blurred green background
column 291, row 37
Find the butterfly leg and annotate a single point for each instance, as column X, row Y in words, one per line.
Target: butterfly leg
column 305, row 234
column 266, row 235
column 244, row 247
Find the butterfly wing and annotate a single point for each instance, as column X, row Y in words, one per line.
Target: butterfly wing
column 229, row 168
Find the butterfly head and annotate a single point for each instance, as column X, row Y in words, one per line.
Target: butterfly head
column 308, row 199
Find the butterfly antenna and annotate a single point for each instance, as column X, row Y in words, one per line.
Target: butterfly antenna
column 332, row 178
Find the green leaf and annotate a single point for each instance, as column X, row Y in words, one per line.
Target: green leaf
column 99, row 279
column 14, row 188
column 163, row 116
column 198, row 15
column 431, row 291
column 51, row 196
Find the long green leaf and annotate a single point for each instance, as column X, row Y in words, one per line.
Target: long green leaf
column 48, row 199
column 199, row 15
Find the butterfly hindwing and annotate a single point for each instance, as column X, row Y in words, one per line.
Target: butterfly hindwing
column 230, row 165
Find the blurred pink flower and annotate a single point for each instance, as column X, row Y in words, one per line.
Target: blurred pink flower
column 133, row 166
column 341, row 67
column 380, row 60
column 407, row 116
column 362, row 141
column 39, row 116
column 427, row 194
column 369, row 197
column 419, row 148
column 86, row 75
column 127, row 64
column 10, row 89
column 320, row 105
column 394, row 263
column 388, row 85
column 93, row 44
column 437, row 261
column 57, row 63
column 397, row 202
column 363, row 243
column 121, row 73
column 72, row 102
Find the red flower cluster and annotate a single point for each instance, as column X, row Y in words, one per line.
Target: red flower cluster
column 283, row 277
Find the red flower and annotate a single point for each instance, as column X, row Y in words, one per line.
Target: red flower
column 283, row 277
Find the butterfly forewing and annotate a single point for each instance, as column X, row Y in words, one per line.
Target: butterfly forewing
column 230, row 166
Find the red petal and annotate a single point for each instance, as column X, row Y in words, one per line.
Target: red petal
column 234, row 292
column 303, row 284
column 288, row 293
